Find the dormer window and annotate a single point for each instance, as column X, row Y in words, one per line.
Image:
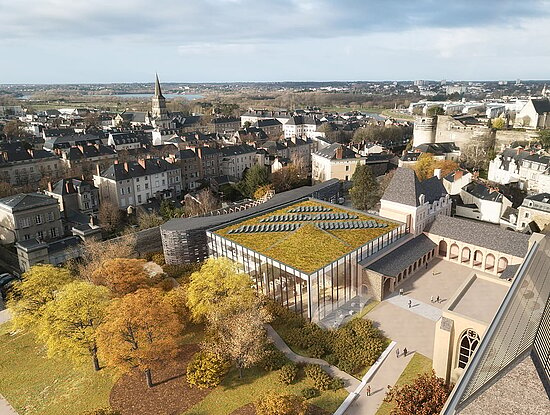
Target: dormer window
column 421, row 199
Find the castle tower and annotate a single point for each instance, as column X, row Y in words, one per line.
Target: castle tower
column 424, row 130
column 158, row 106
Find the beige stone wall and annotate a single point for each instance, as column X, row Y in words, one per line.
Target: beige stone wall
column 374, row 283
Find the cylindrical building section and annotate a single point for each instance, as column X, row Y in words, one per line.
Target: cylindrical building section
column 424, row 130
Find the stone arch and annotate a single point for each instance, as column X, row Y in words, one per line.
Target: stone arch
column 454, row 252
column 502, row 264
column 478, row 258
column 443, row 248
column 489, row 262
column 466, row 254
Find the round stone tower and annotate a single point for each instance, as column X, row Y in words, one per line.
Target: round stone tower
column 424, row 130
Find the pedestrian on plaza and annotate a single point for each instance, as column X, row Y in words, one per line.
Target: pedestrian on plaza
column 401, row 291
column 397, row 352
column 431, row 299
column 410, row 303
column 405, row 352
column 437, row 299
column 368, row 390
column 426, row 265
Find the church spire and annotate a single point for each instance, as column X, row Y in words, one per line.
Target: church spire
column 158, row 92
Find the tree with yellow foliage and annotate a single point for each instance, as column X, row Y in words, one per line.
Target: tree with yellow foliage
column 219, row 283
column 139, row 329
column 122, row 275
column 37, row 288
column 70, row 321
column 426, row 164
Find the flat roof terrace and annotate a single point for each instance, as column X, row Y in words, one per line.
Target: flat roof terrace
column 479, row 298
column 307, row 235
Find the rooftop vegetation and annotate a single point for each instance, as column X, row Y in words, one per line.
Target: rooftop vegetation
column 307, row 248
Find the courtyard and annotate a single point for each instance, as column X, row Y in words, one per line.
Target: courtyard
column 414, row 327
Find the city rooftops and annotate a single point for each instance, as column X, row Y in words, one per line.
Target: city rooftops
column 24, row 201
column 307, row 235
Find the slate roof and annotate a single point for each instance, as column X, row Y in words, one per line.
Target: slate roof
column 399, row 259
column 16, row 151
column 124, row 138
column 24, row 201
column 329, row 152
column 405, row 188
column 60, row 187
column 437, row 148
column 89, row 151
column 269, row 122
column 540, row 197
column 481, row 234
column 223, row 120
column 481, row 191
column 187, row 154
column 152, row 166
column 541, row 105
column 237, row 150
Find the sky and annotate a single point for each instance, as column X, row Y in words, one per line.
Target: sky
column 103, row 41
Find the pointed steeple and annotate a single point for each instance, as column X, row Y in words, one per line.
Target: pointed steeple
column 158, row 92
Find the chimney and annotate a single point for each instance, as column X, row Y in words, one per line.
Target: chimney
column 340, row 153
column 126, row 166
column 50, row 187
column 69, row 186
column 141, row 163
column 97, row 169
column 437, row 173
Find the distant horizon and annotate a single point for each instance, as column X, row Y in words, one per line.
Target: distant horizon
column 276, row 82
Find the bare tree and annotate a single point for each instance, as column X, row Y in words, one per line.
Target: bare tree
column 110, row 217
column 202, row 203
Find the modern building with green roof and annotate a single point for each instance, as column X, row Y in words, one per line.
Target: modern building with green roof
column 306, row 254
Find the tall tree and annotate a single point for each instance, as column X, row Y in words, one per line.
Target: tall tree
column 238, row 334
column 478, row 152
column 139, row 329
column 202, row 203
column 426, row 165
column 37, row 289
column 426, row 395
column 255, row 177
column 364, row 193
column 15, row 130
column 70, row 321
column 122, row 275
column 94, row 253
column 6, row 189
column 220, row 283
column 110, row 217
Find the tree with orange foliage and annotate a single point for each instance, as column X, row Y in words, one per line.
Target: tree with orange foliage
column 426, row 395
column 122, row 275
column 139, row 329
column 426, row 164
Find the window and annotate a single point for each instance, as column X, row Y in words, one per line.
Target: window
column 38, row 219
column 163, row 182
column 138, row 187
column 86, row 205
column 25, row 222
column 128, row 189
column 26, row 237
column 347, row 168
column 40, row 234
column 526, row 214
column 468, row 344
column 139, row 198
column 122, row 190
column 53, row 232
column 50, row 216
column 146, row 186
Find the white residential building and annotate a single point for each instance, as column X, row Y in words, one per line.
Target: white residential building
column 236, row 159
column 135, row 183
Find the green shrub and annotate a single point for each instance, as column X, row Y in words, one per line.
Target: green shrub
column 309, row 393
column 316, row 351
column 273, row 358
column 336, row 384
column 288, row 373
column 280, row 404
column 206, row 370
column 320, row 378
column 102, row 411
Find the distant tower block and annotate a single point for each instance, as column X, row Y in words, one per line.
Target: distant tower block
column 424, row 130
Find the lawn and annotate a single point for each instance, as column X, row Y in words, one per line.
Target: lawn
column 418, row 365
column 234, row 393
column 34, row 384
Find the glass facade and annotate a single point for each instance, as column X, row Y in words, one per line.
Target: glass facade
column 315, row 295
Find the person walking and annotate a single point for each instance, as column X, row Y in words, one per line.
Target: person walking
column 401, row 291
column 405, row 352
column 410, row 303
column 397, row 352
column 426, row 265
column 368, row 390
column 431, row 299
column 437, row 299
